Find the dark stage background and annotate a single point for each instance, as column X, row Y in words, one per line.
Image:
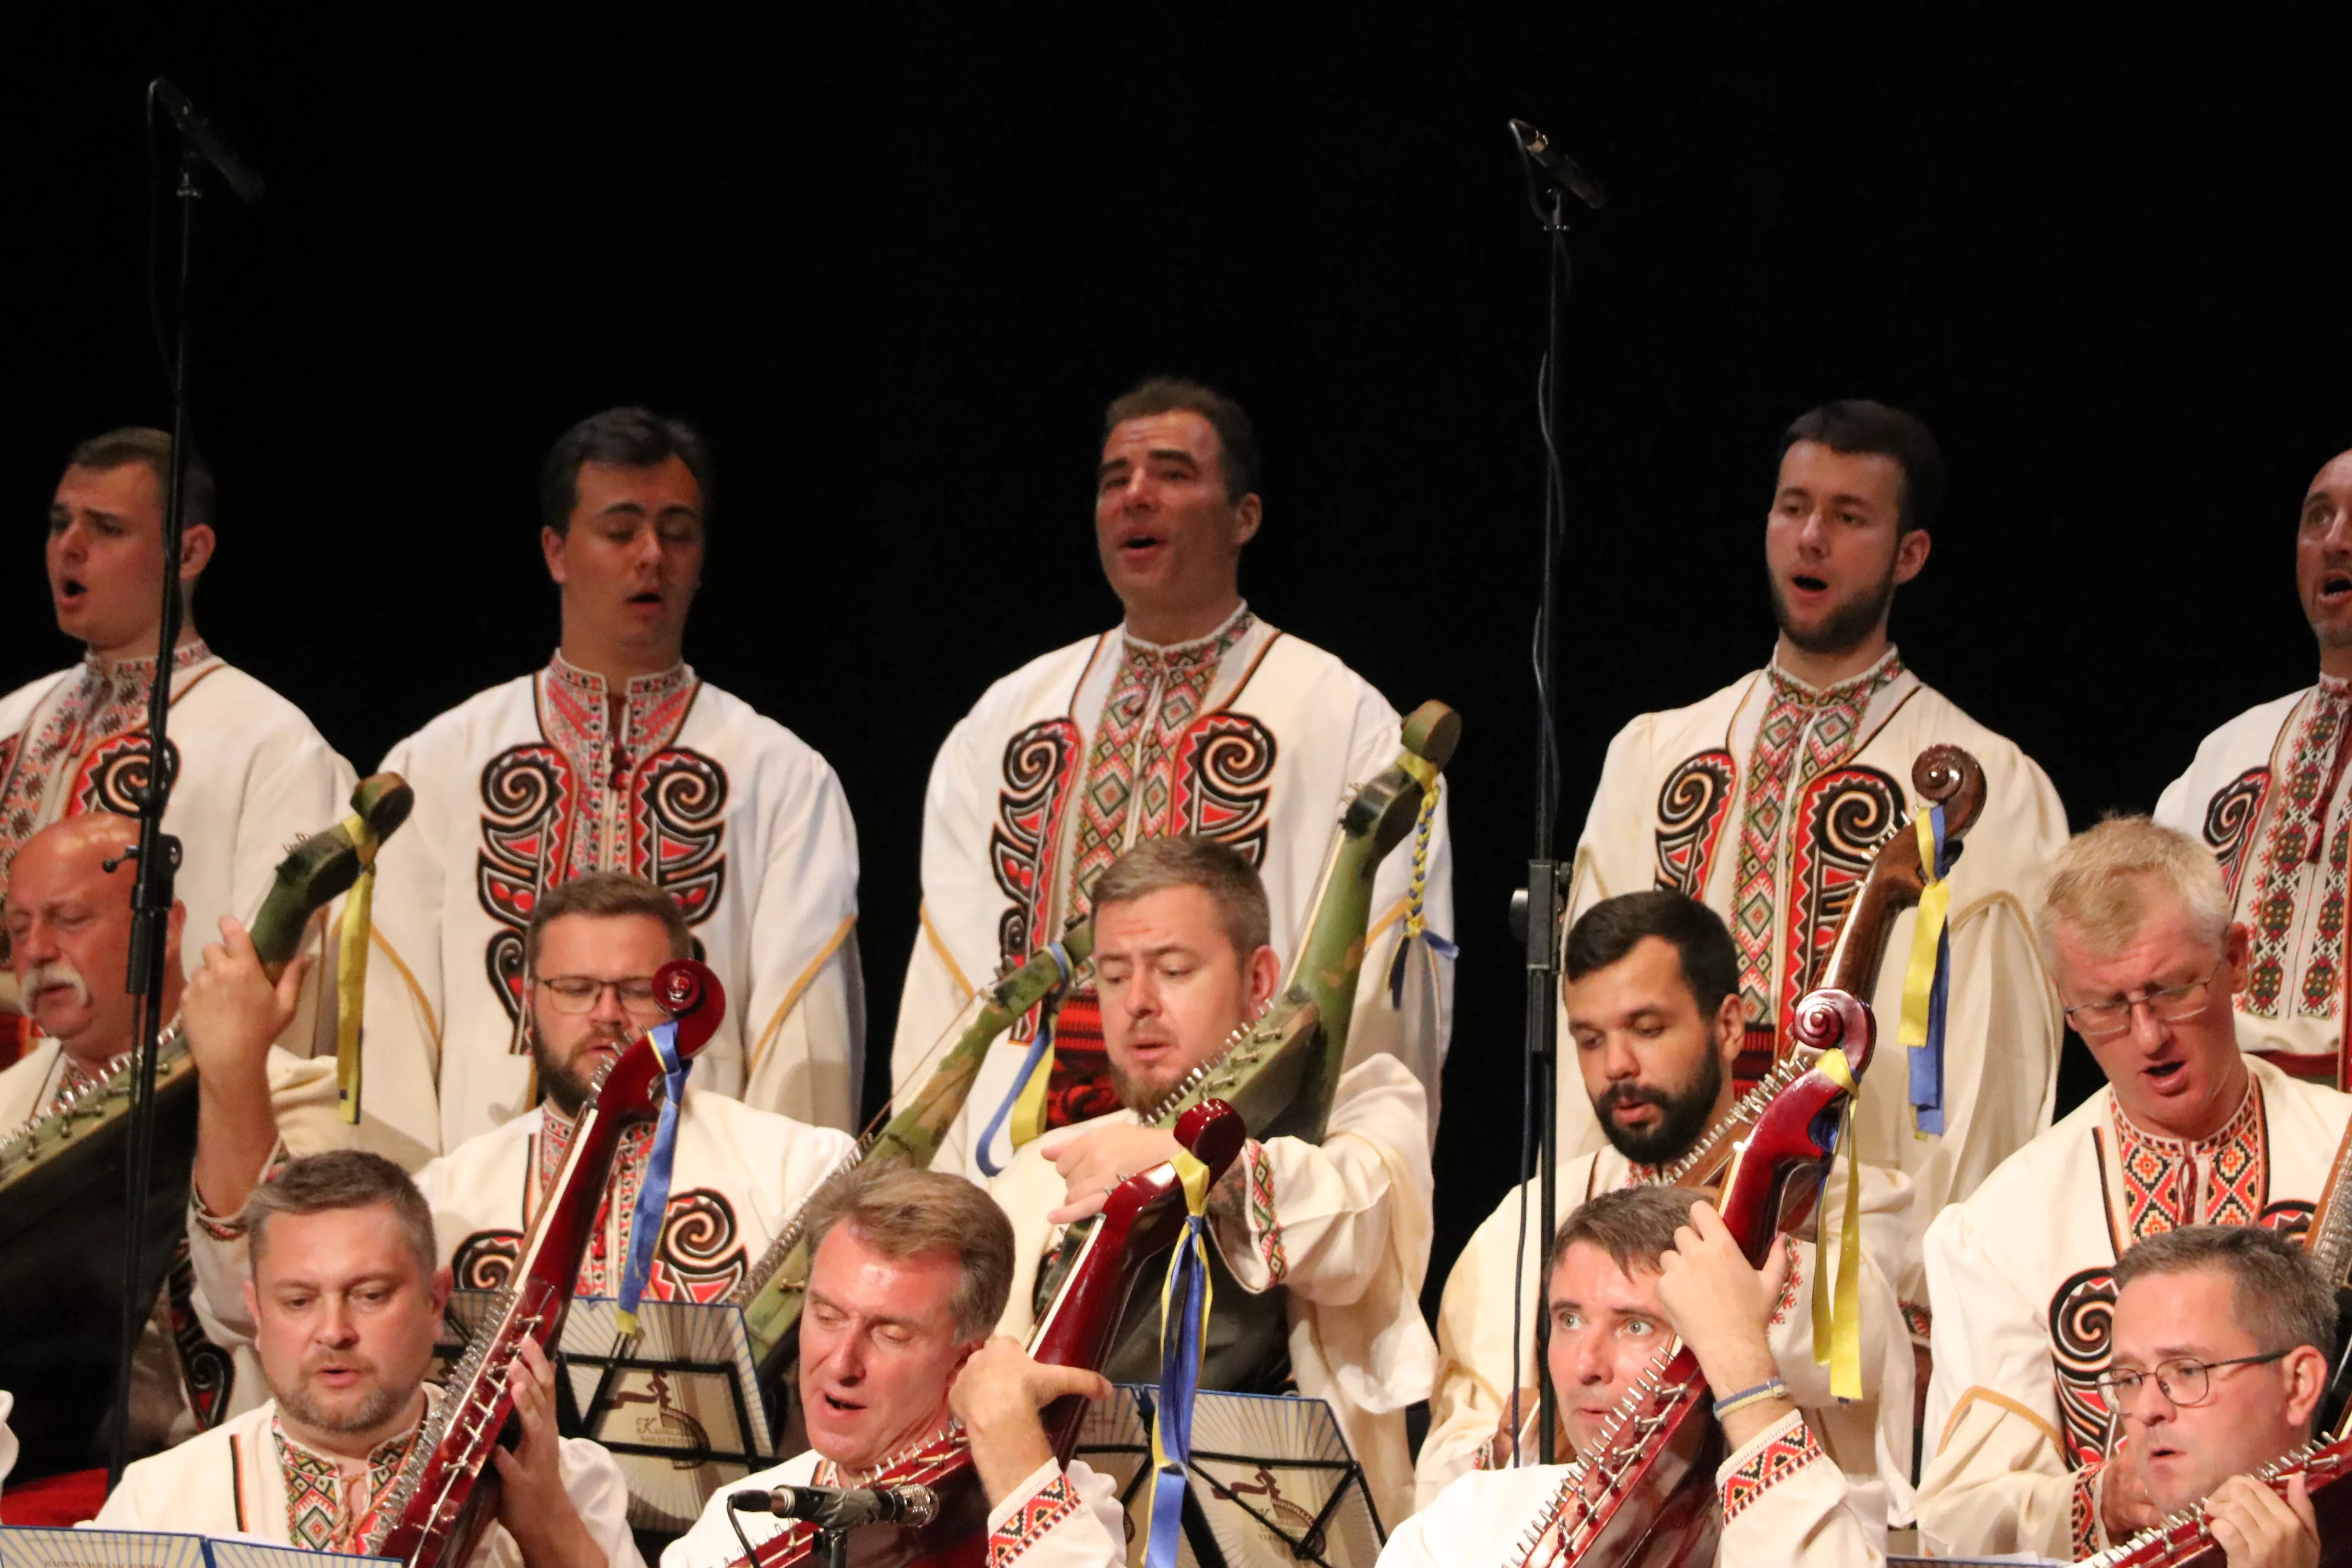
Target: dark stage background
column 895, row 265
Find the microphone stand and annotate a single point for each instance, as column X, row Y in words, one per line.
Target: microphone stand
column 1538, row 909
column 158, row 857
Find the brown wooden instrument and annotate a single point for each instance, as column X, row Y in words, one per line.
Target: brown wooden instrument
column 446, row 1494
column 1942, row 776
column 1140, row 1220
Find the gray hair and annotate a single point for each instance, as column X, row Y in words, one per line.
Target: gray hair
column 904, row 1213
column 2278, row 1293
column 2100, row 885
column 340, row 1179
column 1635, row 1226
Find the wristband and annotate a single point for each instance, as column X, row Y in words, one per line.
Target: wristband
column 1773, row 1389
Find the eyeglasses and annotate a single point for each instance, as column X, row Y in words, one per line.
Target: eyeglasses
column 581, row 992
column 2166, row 1003
column 2182, row 1381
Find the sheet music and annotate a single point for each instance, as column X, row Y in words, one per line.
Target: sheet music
column 1271, row 1473
column 23, row 1546
column 263, row 1554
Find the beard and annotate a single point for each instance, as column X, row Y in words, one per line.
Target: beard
column 378, row 1405
column 1845, row 625
column 565, row 1085
column 1683, row 1115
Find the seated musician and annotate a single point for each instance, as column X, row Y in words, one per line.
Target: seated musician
column 1319, row 1249
column 739, row 1176
column 347, row 1304
column 1626, row 1272
column 2135, row 924
column 899, row 1379
column 2221, row 1350
column 69, row 921
column 1653, row 1000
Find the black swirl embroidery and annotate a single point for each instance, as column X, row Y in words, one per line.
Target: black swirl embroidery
column 1225, row 777
column 1843, row 820
column 2082, row 1341
column 1693, row 806
column 1028, row 825
column 485, row 1259
column 700, row 1256
column 2230, row 818
column 114, row 775
column 526, row 807
column 680, row 832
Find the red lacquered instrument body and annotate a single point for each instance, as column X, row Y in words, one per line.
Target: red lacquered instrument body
column 447, row 1494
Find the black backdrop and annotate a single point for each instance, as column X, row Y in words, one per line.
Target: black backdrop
column 895, row 263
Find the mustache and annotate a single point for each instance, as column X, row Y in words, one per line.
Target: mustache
column 41, row 976
column 1617, row 1095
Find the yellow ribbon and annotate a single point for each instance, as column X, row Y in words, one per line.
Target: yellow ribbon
column 1158, row 1532
column 1837, row 1333
column 1419, row 767
column 1919, row 978
column 350, row 971
column 1028, row 1118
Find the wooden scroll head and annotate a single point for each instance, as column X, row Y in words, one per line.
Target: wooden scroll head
column 1943, row 775
column 690, row 993
column 1780, row 1165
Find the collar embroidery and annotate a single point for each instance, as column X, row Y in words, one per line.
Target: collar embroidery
column 608, row 736
column 2304, row 869
column 2168, row 1183
column 330, row 1500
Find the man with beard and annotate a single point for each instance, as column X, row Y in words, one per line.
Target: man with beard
column 2268, row 794
column 1768, row 799
column 739, row 1176
column 1318, row 1249
column 1656, row 1019
column 910, row 1270
column 1628, row 1273
column 346, row 1304
column 68, row 920
column 2188, row 1130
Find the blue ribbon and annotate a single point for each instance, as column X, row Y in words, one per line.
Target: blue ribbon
column 1183, row 1307
column 1038, row 1049
column 1437, row 945
column 653, row 1198
column 1928, row 1060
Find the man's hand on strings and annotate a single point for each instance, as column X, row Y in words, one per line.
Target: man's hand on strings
column 532, row 1504
column 2256, row 1528
column 1091, row 1160
column 997, row 1396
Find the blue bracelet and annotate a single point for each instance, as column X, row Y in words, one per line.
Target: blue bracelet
column 1770, row 1389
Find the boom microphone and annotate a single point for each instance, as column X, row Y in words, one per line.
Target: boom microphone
column 1557, row 166
column 842, row 1508
column 207, row 142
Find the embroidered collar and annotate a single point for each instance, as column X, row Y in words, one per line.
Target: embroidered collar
column 2334, row 687
column 1199, row 650
column 331, row 1499
column 1857, row 689
column 2241, row 1124
column 140, row 672
column 637, row 689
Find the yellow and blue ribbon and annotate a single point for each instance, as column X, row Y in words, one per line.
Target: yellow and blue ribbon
column 1416, row 920
column 653, row 1198
column 1025, row 1105
column 351, row 971
column 1927, row 983
column 1184, row 1303
column 1837, row 1331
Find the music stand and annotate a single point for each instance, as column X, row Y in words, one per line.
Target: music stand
column 1271, row 1479
column 680, row 1406
column 27, row 1547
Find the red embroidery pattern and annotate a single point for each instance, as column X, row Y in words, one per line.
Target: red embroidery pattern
column 2168, row 1183
column 1790, row 1448
column 1027, row 1524
column 1789, row 1294
column 1693, row 806
column 2229, row 820
column 1842, row 818
column 327, row 1511
column 2288, row 847
column 105, row 703
column 1828, row 724
column 1155, row 693
column 1261, row 1210
column 2084, row 1511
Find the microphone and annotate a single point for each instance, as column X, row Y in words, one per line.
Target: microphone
column 1563, row 170
column 842, row 1508
column 198, row 133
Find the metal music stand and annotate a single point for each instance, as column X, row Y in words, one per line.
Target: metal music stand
column 1271, row 1478
column 678, row 1406
column 25, row 1547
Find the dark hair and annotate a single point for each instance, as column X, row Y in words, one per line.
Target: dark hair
column 1854, row 426
column 1218, row 869
column 1237, row 454
column 902, row 1212
column 340, row 1179
column 606, row 893
column 625, row 437
column 139, row 443
column 2278, row 1293
column 1635, row 1226
column 1612, row 927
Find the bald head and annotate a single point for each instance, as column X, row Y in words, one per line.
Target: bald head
column 69, row 933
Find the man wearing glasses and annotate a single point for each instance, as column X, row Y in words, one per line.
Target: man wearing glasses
column 2270, row 796
column 2222, row 1336
column 739, row 1176
column 2135, row 925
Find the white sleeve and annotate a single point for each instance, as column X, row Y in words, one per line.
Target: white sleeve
column 1615, row 855
column 951, row 954
column 804, row 1020
column 592, row 1479
column 1058, row 1519
column 400, row 1096
column 1785, row 1504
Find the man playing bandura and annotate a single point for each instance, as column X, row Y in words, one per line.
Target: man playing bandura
column 1320, row 1248
column 2267, row 792
column 1630, row 1273
column 254, row 775
column 901, row 1382
column 347, row 1304
column 1193, row 717
column 1768, row 800
column 615, row 757
column 1654, row 1013
column 2134, row 923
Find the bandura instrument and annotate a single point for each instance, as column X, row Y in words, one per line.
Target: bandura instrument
column 446, row 1493
column 62, row 1180
column 1942, row 776
column 1140, row 1220
column 2185, row 1540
